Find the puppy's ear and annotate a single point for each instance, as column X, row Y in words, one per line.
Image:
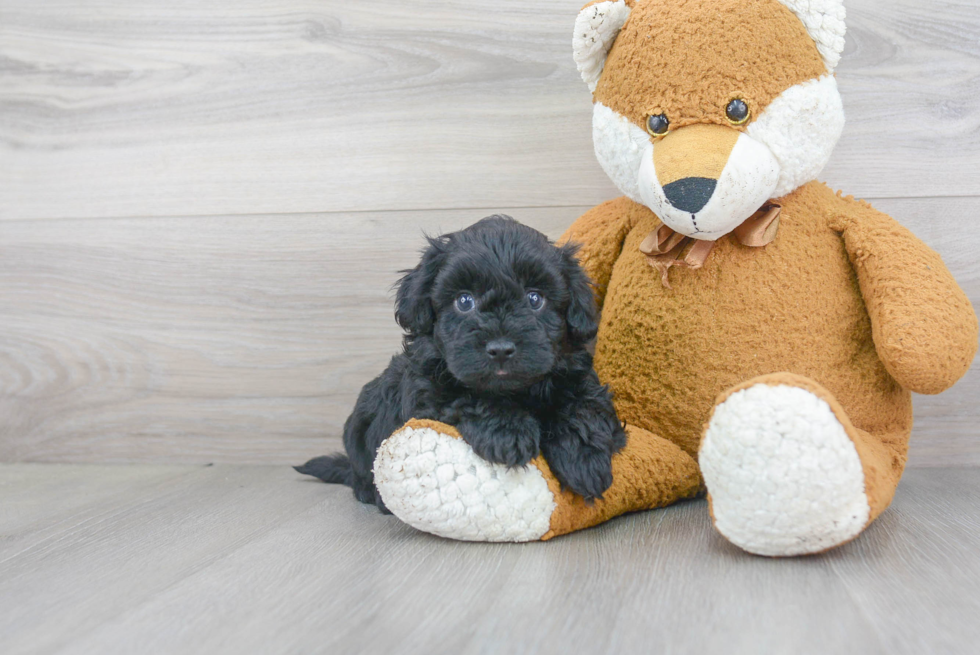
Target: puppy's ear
column 582, row 315
column 413, row 300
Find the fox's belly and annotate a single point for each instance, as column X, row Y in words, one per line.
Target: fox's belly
column 791, row 306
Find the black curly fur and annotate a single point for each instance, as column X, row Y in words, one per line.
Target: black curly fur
column 545, row 398
column 329, row 468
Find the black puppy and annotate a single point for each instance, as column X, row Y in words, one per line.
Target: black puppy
column 497, row 320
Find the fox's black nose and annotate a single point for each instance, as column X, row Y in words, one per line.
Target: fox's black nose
column 501, row 350
column 690, row 194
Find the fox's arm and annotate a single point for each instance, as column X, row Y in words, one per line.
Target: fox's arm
column 924, row 328
column 600, row 233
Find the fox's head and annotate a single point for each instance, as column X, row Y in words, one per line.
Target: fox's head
column 706, row 109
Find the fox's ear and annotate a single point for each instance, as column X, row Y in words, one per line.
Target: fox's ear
column 595, row 30
column 824, row 22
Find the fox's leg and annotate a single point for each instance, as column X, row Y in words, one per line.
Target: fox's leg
column 431, row 479
column 788, row 474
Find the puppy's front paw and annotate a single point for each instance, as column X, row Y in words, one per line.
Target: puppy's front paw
column 585, row 470
column 512, row 442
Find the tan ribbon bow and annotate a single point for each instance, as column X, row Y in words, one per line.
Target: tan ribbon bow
column 663, row 246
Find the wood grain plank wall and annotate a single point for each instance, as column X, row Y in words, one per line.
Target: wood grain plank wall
column 246, row 339
column 123, row 108
column 203, row 206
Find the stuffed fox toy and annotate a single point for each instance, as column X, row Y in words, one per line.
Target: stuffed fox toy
column 761, row 334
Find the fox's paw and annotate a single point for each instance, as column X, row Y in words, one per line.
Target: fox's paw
column 783, row 476
column 431, row 479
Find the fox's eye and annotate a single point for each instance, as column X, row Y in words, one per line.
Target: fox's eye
column 658, row 124
column 737, row 111
column 465, row 302
column 535, row 299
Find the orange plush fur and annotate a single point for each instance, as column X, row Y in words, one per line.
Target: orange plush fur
column 688, row 58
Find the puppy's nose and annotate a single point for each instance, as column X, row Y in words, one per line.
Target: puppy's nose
column 690, row 194
column 501, row 350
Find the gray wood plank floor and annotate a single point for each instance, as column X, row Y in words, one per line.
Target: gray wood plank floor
column 233, row 559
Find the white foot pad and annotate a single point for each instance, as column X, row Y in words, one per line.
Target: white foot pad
column 784, row 477
column 437, row 484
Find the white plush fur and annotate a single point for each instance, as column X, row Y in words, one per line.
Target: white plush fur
column 787, row 145
column 784, row 477
column 824, row 21
column 437, row 484
column 620, row 146
column 596, row 28
column 801, row 127
column 745, row 183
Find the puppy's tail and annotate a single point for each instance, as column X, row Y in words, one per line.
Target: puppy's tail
column 335, row 469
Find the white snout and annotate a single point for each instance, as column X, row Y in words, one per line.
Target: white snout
column 745, row 184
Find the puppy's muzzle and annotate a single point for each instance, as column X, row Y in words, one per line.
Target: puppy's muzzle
column 500, row 350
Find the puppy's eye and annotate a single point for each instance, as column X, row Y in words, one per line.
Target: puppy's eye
column 465, row 302
column 737, row 112
column 658, row 124
column 535, row 300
